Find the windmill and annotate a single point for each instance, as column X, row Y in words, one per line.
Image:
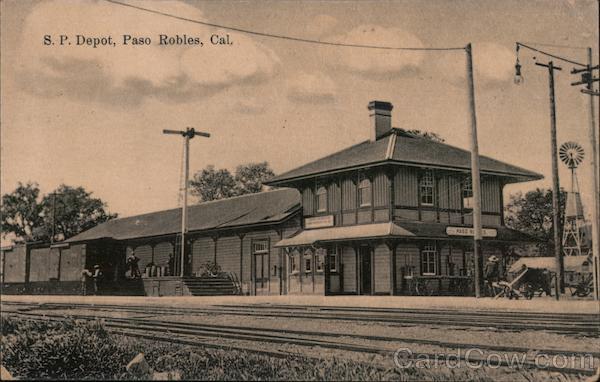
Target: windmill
column 572, row 155
column 188, row 134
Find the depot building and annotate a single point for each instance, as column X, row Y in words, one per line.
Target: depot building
column 367, row 220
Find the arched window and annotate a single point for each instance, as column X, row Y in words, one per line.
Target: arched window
column 426, row 188
column 364, row 192
column 321, row 199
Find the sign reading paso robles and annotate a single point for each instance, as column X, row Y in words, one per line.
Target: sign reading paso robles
column 470, row 231
column 318, row 222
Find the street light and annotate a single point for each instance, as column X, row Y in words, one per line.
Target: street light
column 518, row 77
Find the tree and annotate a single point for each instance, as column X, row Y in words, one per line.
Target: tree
column 532, row 214
column 75, row 211
column 211, row 184
column 69, row 210
column 427, row 135
column 249, row 178
column 21, row 212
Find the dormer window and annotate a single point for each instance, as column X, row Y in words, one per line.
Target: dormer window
column 467, row 193
column 426, row 188
column 321, row 199
column 364, row 192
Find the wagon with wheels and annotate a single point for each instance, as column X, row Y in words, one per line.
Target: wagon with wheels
column 533, row 276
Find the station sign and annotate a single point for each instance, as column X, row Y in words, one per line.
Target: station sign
column 319, row 222
column 470, row 231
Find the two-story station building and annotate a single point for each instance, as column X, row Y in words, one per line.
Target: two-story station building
column 385, row 216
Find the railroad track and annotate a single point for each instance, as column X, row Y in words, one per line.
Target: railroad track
column 580, row 324
column 246, row 338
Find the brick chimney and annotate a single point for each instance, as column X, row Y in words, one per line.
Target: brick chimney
column 381, row 118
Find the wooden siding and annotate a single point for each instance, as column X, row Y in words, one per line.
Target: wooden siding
column 72, row 261
column 348, row 194
column 308, row 201
column 348, row 260
column 364, row 216
column 454, row 192
column 228, row 254
column 381, row 262
column 380, row 190
column 490, row 195
column 38, row 269
column 161, row 253
column 333, row 197
column 14, row 264
column 203, row 251
column 406, row 187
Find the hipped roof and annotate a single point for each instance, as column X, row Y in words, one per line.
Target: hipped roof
column 261, row 208
column 400, row 147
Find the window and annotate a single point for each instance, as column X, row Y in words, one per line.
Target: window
column 426, row 188
column 364, row 192
column 333, row 260
column 294, row 262
column 260, row 246
column 321, row 199
column 467, row 193
column 429, row 260
column 307, row 262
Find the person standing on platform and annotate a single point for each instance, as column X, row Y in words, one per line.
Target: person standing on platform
column 134, row 269
column 492, row 274
column 98, row 277
column 86, row 276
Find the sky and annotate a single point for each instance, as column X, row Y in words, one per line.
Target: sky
column 93, row 117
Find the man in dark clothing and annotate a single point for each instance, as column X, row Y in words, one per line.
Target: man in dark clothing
column 98, row 277
column 134, row 269
column 491, row 274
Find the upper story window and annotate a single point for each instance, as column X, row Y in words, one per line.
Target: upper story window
column 321, row 199
column 364, row 192
column 467, row 193
column 429, row 260
column 426, row 188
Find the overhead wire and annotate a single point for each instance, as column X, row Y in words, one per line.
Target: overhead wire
column 281, row 37
column 550, row 54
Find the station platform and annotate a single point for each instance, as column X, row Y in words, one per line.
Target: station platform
column 539, row 305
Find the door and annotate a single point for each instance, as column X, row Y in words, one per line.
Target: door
column 365, row 270
column 261, row 274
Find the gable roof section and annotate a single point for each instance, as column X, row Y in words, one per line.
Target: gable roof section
column 261, row 208
column 403, row 148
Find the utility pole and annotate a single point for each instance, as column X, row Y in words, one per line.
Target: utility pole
column 595, row 191
column 475, row 181
column 560, row 270
column 188, row 134
column 53, row 218
column 587, row 79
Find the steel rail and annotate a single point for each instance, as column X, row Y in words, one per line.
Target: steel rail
column 587, row 327
column 134, row 329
